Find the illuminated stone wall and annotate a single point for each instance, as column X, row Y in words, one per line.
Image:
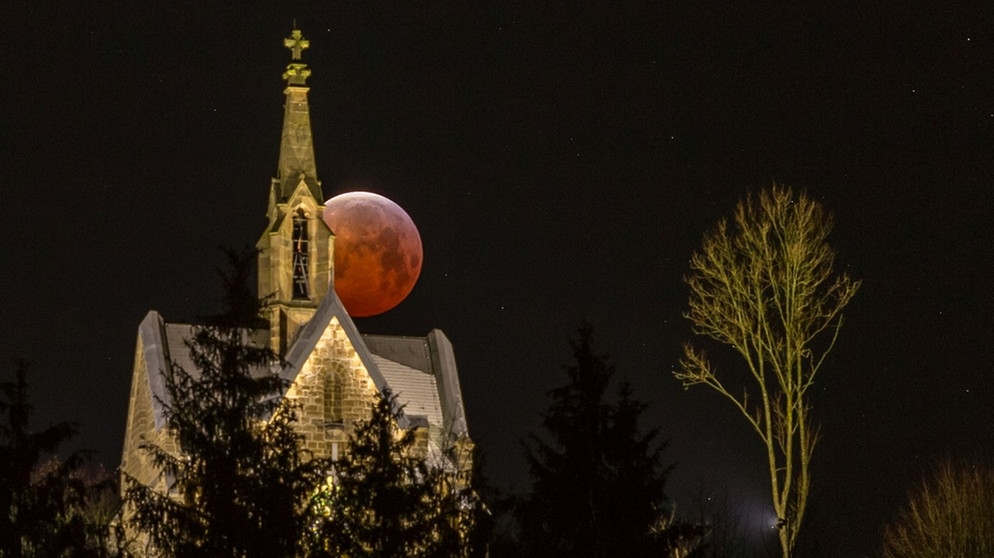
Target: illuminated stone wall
column 141, row 429
column 332, row 391
column 275, row 262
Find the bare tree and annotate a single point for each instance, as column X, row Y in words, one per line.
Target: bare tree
column 765, row 286
column 951, row 514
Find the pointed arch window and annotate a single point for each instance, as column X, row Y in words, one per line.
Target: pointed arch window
column 301, row 256
column 334, row 396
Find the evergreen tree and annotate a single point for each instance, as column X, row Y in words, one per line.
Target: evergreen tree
column 241, row 483
column 385, row 501
column 41, row 502
column 597, row 484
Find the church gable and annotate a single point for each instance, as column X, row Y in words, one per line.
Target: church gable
column 303, row 198
column 332, row 389
column 146, row 408
column 335, row 377
column 330, row 321
column 141, row 421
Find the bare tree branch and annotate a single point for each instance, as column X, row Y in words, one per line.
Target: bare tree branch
column 765, row 285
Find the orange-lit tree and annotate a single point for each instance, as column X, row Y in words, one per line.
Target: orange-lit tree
column 765, row 286
column 951, row 514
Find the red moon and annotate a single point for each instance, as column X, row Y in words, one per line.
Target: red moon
column 377, row 252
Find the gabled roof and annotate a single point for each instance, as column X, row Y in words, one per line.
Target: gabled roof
column 421, row 371
column 434, row 356
column 417, row 389
column 165, row 344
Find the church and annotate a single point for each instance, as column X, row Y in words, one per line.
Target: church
column 334, row 372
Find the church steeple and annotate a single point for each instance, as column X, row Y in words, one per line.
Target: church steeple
column 296, row 250
column 297, row 143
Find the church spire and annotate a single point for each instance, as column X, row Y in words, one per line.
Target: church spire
column 296, row 251
column 297, row 143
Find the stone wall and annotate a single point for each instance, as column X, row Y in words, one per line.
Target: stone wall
column 141, row 429
column 332, row 392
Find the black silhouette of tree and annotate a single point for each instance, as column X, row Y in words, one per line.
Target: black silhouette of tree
column 42, row 496
column 598, row 482
column 386, row 501
column 241, row 483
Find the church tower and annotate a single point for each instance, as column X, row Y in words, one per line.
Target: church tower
column 296, row 251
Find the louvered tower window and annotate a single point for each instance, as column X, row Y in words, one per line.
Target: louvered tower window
column 301, row 257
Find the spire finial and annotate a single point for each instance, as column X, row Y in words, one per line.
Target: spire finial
column 296, row 42
column 296, row 72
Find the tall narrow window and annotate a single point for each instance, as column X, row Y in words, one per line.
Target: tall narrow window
column 334, row 392
column 300, row 256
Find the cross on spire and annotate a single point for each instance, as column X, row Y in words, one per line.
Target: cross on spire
column 296, row 43
column 296, row 71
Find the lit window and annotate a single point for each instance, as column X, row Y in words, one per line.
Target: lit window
column 300, row 256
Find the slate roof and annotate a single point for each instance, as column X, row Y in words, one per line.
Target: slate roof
column 416, row 390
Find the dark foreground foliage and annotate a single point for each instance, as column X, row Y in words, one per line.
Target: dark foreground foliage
column 241, row 483
column 597, row 478
column 48, row 506
column 385, row 500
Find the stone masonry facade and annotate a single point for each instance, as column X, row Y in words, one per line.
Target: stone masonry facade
column 332, row 392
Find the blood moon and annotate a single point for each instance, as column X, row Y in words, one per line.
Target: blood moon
column 377, row 252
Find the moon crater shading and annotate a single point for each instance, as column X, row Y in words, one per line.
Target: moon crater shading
column 378, row 252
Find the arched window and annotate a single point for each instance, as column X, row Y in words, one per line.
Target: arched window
column 301, row 256
column 334, row 393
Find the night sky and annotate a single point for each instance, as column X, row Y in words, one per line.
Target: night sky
column 561, row 164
